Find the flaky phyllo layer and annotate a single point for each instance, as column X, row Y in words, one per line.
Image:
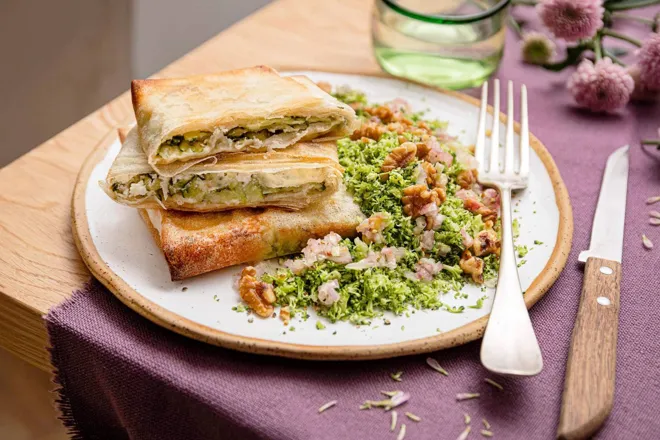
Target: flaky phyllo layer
column 185, row 121
column 269, row 134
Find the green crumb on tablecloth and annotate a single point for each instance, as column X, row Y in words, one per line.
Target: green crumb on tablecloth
column 215, row 298
column 319, row 325
column 292, row 329
column 240, row 308
column 522, row 262
column 396, row 376
column 403, row 327
column 515, row 225
column 534, row 212
column 454, row 309
column 438, row 330
column 522, row 250
column 334, row 333
column 538, row 242
column 480, row 303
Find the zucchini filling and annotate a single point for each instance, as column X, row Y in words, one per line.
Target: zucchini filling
column 272, row 133
column 214, row 188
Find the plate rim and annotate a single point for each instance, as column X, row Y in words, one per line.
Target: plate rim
column 187, row 327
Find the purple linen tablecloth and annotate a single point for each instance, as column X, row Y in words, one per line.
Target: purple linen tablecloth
column 123, row 377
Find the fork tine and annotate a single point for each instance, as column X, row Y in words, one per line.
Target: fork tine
column 480, row 143
column 524, row 134
column 495, row 131
column 508, row 144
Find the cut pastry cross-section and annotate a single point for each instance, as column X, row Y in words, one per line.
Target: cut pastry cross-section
column 184, row 121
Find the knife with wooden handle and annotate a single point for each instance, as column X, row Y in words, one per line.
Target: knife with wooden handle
column 589, row 384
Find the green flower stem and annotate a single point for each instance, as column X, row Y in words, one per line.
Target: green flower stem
column 625, row 16
column 651, row 142
column 523, row 2
column 617, row 35
column 631, row 4
column 516, row 26
column 613, row 57
column 597, row 47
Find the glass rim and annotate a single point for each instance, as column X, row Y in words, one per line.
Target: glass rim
column 448, row 19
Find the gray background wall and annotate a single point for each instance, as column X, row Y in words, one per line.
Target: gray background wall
column 187, row 24
column 75, row 55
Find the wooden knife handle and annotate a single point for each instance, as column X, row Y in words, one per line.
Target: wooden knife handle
column 589, row 384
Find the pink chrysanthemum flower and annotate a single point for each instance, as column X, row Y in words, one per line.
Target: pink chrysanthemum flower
column 603, row 87
column 571, row 20
column 649, row 63
column 537, row 48
column 641, row 93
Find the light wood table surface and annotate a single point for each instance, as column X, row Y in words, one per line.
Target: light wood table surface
column 39, row 264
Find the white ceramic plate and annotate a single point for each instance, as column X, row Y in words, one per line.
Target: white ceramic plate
column 121, row 252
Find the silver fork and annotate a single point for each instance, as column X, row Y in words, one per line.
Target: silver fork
column 509, row 345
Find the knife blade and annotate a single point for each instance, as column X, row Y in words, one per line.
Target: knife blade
column 589, row 383
column 607, row 229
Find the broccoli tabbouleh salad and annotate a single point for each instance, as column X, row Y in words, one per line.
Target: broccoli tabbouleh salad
column 430, row 227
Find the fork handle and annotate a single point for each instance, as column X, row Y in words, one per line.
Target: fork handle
column 589, row 385
column 509, row 345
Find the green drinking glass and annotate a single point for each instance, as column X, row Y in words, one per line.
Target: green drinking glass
column 453, row 44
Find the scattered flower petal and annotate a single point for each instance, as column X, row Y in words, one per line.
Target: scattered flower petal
column 327, row 405
column 486, row 424
column 655, row 214
column 601, row 87
column 466, row 396
column 391, row 393
column 648, row 244
column 393, row 422
column 486, row 433
column 493, row 383
column 652, row 200
column 464, row 434
column 413, row 417
column 436, row 366
column 402, row 432
column 654, row 221
column 399, row 399
column 396, row 376
column 466, row 418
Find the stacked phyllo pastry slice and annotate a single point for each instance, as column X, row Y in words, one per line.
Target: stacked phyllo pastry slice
column 240, row 139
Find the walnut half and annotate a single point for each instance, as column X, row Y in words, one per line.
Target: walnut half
column 417, row 196
column 399, row 157
column 259, row 296
column 486, row 243
column 472, row 266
